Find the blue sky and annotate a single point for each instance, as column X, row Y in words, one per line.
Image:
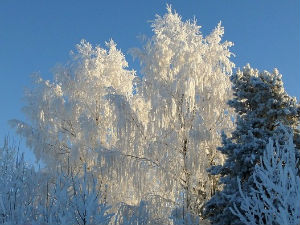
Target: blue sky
column 35, row 35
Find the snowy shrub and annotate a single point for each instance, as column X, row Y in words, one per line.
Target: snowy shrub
column 30, row 197
column 179, row 217
column 133, row 215
column 18, row 187
column 76, row 199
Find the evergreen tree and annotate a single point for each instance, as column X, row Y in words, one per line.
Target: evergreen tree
column 260, row 103
column 275, row 199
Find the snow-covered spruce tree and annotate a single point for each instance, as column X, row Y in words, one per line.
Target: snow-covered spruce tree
column 184, row 90
column 275, row 198
column 260, row 102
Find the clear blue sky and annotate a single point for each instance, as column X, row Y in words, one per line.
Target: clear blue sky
column 37, row 34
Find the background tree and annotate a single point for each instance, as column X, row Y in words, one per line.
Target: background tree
column 261, row 103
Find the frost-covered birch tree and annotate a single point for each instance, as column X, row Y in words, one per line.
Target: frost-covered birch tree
column 80, row 117
column 184, row 90
column 151, row 136
column 72, row 116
